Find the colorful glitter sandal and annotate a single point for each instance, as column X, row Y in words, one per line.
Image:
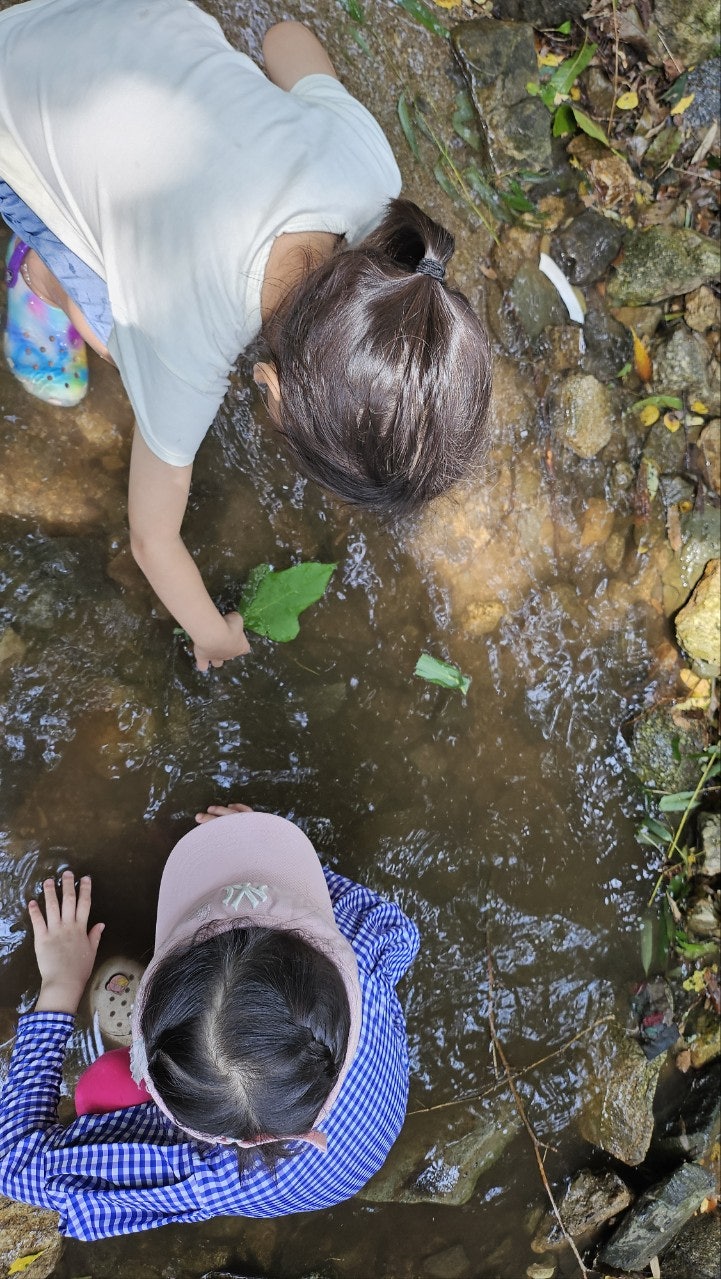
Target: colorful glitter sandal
column 112, row 996
column 44, row 350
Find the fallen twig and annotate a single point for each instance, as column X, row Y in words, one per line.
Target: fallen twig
column 517, row 1074
column 498, row 1047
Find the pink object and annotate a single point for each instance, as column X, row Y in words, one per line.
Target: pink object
column 108, row 1085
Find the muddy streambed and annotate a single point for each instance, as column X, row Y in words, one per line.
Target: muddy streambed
column 501, row 822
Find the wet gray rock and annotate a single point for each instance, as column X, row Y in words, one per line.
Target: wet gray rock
column 582, row 414
column 690, row 27
column 609, row 345
column 710, row 828
column 618, row 1117
column 695, row 1252
column 693, row 1128
column 585, row 249
column 535, row 302
column 661, row 262
column 592, row 1199
column 704, row 82
column 452, row 1263
column 698, row 625
column 499, row 60
column 25, row 1230
column 658, row 1216
column 701, row 543
column 709, row 443
column 440, row 1155
column 540, row 13
column 12, row 648
column 702, row 919
column 662, row 748
column 685, row 364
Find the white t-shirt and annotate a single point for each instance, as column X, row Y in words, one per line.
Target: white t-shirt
column 169, row 163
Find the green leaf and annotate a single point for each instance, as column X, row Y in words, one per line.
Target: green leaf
column 677, row 90
column 409, row 132
column 658, row 829
column 568, row 72
column 564, row 121
column 678, row 802
column 427, row 18
column 444, row 180
column 486, row 192
column 362, row 43
column 648, row 936
column 443, row 673
column 693, row 949
column 624, row 372
column 565, row 28
column 516, row 198
column 354, row 10
column 659, row 402
column 590, row 127
column 272, row 602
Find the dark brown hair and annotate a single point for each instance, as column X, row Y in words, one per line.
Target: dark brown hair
column 384, row 371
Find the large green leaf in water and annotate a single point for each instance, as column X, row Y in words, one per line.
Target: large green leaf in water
column 443, row 673
column 272, row 602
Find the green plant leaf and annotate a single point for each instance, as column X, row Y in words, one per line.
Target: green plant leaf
column 427, row 18
column 568, row 72
column 565, row 28
column 486, row 192
column 354, row 10
column 516, row 198
column 272, row 602
column 590, row 127
column 564, row 121
column 658, row 402
column 409, row 132
column 444, row 180
column 678, row 802
column 443, row 673
column 648, row 938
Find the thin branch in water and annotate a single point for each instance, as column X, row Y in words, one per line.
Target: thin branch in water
column 498, row 1046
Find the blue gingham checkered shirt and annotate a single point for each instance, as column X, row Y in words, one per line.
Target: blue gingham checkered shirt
column 133, row 1169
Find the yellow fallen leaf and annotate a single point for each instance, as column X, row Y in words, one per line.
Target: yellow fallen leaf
column 447, row 4
column 649, row 415
column 547, row 59
column 627, row 101
column 575, row 93
column 695, row 982
column 641, row 359
column 22, row 1263
column 685, row 506
column 698, row 406
column 671, row 422
column 683, row 104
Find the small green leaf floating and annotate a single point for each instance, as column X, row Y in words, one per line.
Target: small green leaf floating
column 272, row 602
column 443, row 673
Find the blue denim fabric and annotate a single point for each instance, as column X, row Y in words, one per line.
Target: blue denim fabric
column 79, row 281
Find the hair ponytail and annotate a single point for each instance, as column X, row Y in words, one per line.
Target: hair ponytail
column 384, row 370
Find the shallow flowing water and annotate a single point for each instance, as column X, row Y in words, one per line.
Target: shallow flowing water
column 502, row 823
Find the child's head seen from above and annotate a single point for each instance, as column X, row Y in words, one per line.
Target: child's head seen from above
column 384, row 371
column 245, row 1031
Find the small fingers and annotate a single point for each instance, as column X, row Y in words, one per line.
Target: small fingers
column 37, row 919
column 52, row 909
column 82, row 911
column 95, row 934
column 69, row 898
column 221, row 810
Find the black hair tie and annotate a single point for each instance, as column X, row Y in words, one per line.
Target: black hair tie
column 429, row 266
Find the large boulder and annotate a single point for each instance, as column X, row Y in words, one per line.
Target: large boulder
column 499, row 61
column 592, row 1199
column 664, row 748
column 582, row 414
column 661, row 262
column 657, row 1217
column 698, row 625
column 690, row 27
column 24, row 1232
column 618, row 1117
column 695, row 1252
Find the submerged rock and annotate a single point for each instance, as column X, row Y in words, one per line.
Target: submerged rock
column 661, row 262
column 658, row 1216
column 452, row 1263
column 499, row 60
column 695, row 1252
column 609, row 345
column 582, row 414
column 698, row 625
column 690, row 27
column 592, row 1199
column 535, row 302
column 25, row 1230
column 587, row 246
column 440, row 1155
column 12, row 648
column 663, row 747
column 619, row 1115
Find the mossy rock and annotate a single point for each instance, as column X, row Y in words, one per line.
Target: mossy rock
column 663, row 744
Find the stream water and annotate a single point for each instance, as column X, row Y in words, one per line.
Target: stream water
column 502, row 822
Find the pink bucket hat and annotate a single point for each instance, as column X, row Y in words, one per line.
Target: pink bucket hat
column 248, row 869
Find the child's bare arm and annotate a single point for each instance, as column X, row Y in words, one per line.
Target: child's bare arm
column 291, row 51
column 157, row 498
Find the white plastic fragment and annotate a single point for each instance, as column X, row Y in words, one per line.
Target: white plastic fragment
column 563, row 287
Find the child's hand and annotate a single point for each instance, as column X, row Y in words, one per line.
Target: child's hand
column 221, row 810
column 64, row 948
column 234, row 644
